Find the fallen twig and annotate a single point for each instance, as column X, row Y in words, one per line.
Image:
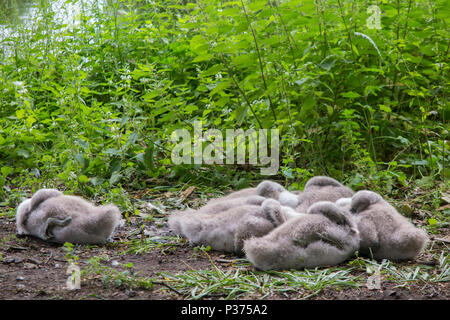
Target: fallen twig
column 225, row 260
column 440, row 240
column 17, row 248
column 167, row 286
column 51, row 256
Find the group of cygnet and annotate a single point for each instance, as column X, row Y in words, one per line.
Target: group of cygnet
column 323, row 225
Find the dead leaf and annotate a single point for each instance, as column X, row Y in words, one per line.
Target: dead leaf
column 445, row 197
column 186, row 193
column 168, row 194
column 442, row 208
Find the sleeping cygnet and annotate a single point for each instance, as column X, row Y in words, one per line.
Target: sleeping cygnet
column 326, row 235
column 226, row 230
column 385, row 233
column 53, row 216
column 222, row 204
column 319, row 188
column 212, row 207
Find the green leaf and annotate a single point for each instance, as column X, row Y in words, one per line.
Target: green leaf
column 244, row 60
column 327, row 63
column 23, row 153
column 199, row 45
column 115, row 177
column 241, row 112
column 29, row 122
column 83, row 179
column 6, row 171
column 212, row 70
column 203, row 57
column 112, row 152
column 301, row 81
column 191, row 108
column 20, row 114
column 307, row 112
column 220, row 87
column 257, row 5
column 385, row 108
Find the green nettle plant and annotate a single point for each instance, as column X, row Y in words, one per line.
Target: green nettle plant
column 90, row 100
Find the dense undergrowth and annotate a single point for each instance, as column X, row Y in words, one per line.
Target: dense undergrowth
column 89, row 103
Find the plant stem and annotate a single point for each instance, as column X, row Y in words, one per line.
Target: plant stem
column 346, row 29
column 260, row 62
column 230, row 72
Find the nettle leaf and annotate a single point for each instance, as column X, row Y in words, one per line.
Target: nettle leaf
column 199, row 45
column 191, row 108
column 241, row 112
column 215, row 69
column 245, row 60
column 203, row 57
column 148, row 156
column 149, row 96
column 29, row 122
column 350, row 94
column 112, row 152
column 6, row 171
column 327, row 63
column 257, row 5
column 385, row 108
column 24, row 153
column 231, row 12
column 302, row 81
column 115, row 177
column 220, row 87
column 20, row 114
column 307, row 112
column 80, row 158
column 83, row 179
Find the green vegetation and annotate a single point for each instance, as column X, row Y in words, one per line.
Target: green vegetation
column 90, row 105
column 240, row 281
column 113, row 277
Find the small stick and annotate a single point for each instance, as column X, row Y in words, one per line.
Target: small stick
column 428, row 263
column 226, row 260
column 440, row 240
column 169, row 287
column 17, row 248
column 51, row 256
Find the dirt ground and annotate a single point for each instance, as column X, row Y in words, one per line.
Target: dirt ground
column 32, row 269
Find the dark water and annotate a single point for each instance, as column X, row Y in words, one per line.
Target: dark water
column 23, row 12
column 12, row 10
column 25, row 15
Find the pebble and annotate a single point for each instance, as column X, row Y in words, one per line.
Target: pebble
column 9, row 260
column 20, row 278
column 20, row 287
column 27, row 265
column 131, row 293
column 114, row 263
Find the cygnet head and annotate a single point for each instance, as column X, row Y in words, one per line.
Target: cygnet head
column 22, row 211
column 269, row 189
